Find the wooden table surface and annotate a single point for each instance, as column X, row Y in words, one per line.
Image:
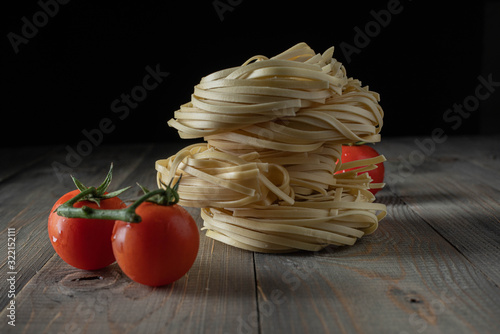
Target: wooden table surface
column 433, row 266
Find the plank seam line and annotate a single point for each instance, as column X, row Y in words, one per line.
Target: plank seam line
column 259, row 327
column 488, row 278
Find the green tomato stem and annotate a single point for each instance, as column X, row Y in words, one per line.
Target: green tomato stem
column 127, row 214
column 100, row 193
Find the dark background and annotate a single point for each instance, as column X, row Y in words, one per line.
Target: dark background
column 65, row 78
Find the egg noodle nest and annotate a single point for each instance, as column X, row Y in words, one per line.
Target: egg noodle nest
column 265, row 176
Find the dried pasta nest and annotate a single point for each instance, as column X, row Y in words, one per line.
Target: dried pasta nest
column 265, row 177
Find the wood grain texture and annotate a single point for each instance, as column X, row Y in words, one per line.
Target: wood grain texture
column 459, row 196
column 16, row 160
column 404, row 278
column 431, row 267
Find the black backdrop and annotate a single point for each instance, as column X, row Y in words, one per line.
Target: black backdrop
column 69, row 66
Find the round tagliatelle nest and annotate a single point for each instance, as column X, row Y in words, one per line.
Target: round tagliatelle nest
column 265, row 177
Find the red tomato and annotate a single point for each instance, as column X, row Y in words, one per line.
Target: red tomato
column 358, row 152
column 83, row 243
column 161, row 248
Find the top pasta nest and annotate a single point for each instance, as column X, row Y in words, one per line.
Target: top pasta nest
column 290, row 85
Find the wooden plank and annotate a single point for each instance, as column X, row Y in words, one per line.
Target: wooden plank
column 405, row 278
column 483, row 151
column 15, row 159
column 220, row 285
column 457, row 196
column 409, row 155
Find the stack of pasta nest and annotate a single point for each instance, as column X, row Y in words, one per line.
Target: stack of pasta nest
column 265, row 176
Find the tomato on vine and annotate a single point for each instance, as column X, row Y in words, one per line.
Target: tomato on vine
column 85, row 243
column 163, row 246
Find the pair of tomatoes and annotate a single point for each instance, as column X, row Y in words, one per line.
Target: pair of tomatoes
column 158, row 250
